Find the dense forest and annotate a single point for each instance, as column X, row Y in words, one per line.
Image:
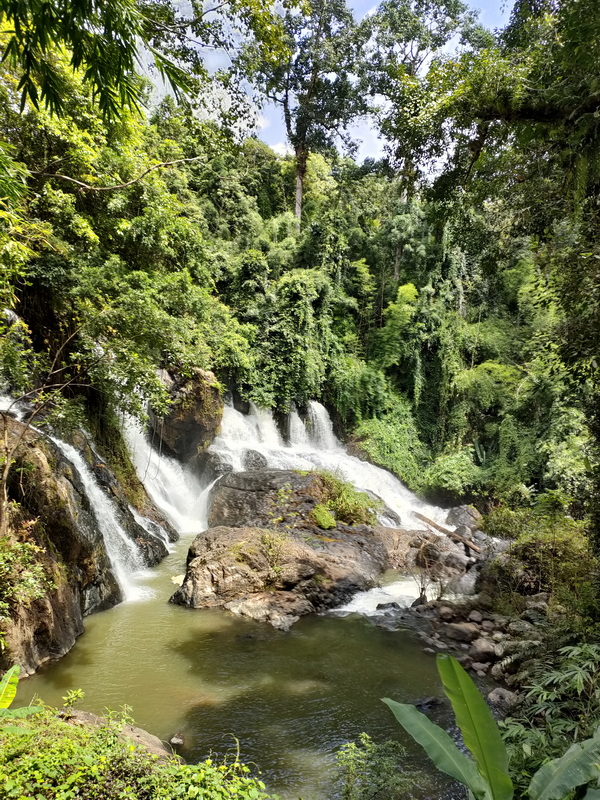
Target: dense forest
column 441, row 301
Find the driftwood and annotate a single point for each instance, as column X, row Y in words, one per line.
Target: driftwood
column 447, row 531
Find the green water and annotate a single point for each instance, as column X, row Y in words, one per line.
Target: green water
column 291, row 699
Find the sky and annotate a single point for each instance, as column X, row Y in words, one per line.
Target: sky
column 493, row 14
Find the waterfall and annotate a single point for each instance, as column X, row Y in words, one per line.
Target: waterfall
column 124, row 555
column 174, row 490
column 313, row 446
column 321, row 432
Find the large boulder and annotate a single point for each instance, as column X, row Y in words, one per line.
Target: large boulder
column 194, row 417
column 276, row 575
column 264, row 556
column 466, row 516
column 259, row 497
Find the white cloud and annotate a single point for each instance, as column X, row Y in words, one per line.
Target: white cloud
column 282, row 149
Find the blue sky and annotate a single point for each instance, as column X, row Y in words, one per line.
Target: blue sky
column 492, row 15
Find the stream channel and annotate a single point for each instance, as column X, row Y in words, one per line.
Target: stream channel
column 291, row 699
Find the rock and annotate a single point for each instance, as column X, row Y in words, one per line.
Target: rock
column 446, row 613
column 460, row 631
column 465, row 584
column 475, row 616
column 141, row 738
column 177, row 740
column 464, row 515
column 262, row 497
column 208, row 466
column 387, row 606
column 503, row 698
column 480, row 668
column 483, row 650
column 276, row 576
column 194, row 416
column 252, row 459
column 488, row 625
column 279, row 609
column 421, row 600
column 521, row 629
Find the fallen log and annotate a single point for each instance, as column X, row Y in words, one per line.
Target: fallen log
column 447, row 531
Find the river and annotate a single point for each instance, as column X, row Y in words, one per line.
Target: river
column 290, row 699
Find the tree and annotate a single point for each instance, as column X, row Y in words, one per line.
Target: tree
column 315, row 83
column 109, row 41
column 403, row 37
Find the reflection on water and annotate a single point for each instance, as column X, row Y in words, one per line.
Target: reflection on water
column 291, row 699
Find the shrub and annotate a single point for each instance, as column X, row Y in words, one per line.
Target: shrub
column 392, row 441
column 58, row 761
column 371, row 771
column 452, row 476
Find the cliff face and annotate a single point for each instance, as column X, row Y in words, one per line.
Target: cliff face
column 56, row 517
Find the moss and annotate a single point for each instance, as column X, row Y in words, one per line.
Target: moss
column 106, row 433
column 347, row 503
column 322, row 517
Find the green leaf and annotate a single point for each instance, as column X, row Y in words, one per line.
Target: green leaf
column 439, row 747
column 20, row 713
column 592, row 794
column 480, row 732
column 579, row 765
column 8, row 686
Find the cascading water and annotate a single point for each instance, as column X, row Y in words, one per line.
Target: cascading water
column 313, row 446
column 124, row 555
column 175, row 490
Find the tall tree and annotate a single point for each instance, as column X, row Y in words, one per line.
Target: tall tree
column 315, row 85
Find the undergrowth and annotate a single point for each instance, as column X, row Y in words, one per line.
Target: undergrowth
column 54, row 760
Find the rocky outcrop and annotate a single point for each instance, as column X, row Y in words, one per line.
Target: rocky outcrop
column 263, row 555
column 138, row 736
column 55, row 516
column 194, row 416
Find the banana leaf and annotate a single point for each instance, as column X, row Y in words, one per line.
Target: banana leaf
column 579, row 765
column 439, row 747
column 8, row 686
column 480, row 732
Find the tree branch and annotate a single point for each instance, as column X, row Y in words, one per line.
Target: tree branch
column 88, row 188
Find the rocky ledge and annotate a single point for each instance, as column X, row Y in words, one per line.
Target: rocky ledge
column 264, row 556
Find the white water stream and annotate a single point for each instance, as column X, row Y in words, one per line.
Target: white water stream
column 313, row 445
column 125, row 556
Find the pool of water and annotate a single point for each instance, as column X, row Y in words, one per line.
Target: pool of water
column 289, row 699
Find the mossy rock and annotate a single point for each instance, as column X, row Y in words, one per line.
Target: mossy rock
column 322, row 517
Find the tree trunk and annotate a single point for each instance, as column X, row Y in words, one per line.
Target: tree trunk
column 301, row 161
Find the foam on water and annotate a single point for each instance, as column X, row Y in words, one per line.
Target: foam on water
column 313, row 445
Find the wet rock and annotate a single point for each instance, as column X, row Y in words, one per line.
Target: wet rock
column 253, row 460
column 194, row 416
column 387, row 606
column 460, row 631
column 262, row 497
column 503, row 698
column 483, row 650
column 464, row 515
